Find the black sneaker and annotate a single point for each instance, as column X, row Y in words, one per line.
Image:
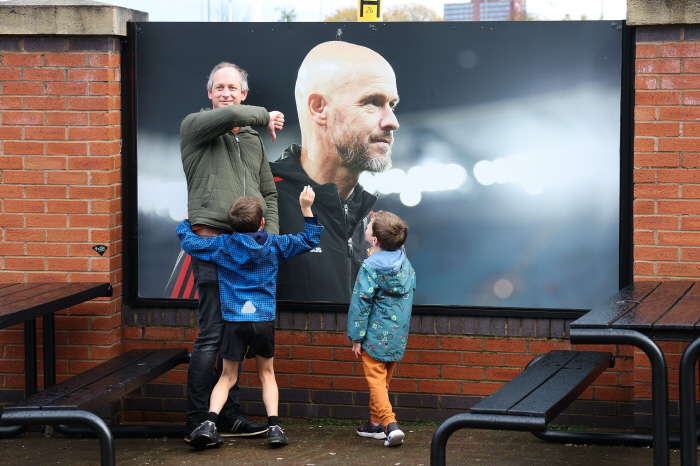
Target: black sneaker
column 275, row 436
column 394, row 435
column 205, row 435
column 239, row 426
column 368, row 430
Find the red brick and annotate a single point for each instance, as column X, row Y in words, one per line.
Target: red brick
column 25, row 263
column 691, row 192
column 422, row 342
column 502, row 374
column 480, row 388
column 65, row 59
column 47, row 249
column 67, row 88
column 657, row 129
column 69, row 178
column 93, row 337
column 690, row 223
column 101, row 178
column 679, row 239
column 331, row 368
column 438, row 386
column 643, row 191
column 644, row 207
column 349, row 383
column 91, row 133
column 644, row 113
column 655, row 253
column 45, row 132
column 12, row 249
column 105, row 148
column 691, row 65
column 11, row 277
column 518, row 360
column 679, row 176
column 481, row 359
column 91, row 192
column 545, row 346
column 644, row 82
column 646, row 51
column 311, row 381
column 657, row 66
column 10, row 133
column 23, row 206
column 656, row 160
column 311, row 352
column 10, row 74
column 104, row 119
column 105, row 89
column 679, row 113
column 68, row 264
column 72, row 322
column 614, row 394
column 89, row 103
column 105, row 352
column 679, row 207
column 690, row 254
column 45, row 192
column 25, row 234
column 505, row 345
column 691, row 98
column 460, row 343
column 655, row 223
column 45, row 103
column 100, row 74
column 644, row 144
column 329, row 339
column 66, row 148
column 163, row 333
column 21, row 59
column 23, row 88
column 10, row 103
column 670, row 144
column 656, row 97
column 687, row 270
column 22, row 118
column 419, row 371
column 679, row 50
column 644, row 237
column 42, row 74
column 439, row 357
column 69, row 207
column 23, row 177
column 690, row 160
column 67, row 118
column 47, row 221
column 11, row 220
column 462, row 373
column 643, row 176
column 680, row 82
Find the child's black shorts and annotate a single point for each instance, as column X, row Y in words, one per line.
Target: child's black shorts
column 248, row 339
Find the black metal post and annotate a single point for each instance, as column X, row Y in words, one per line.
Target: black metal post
column 659, row 378
column 49, row 351
column 42, row 417
column 30, row 358
column 479, row 421
column 686, row 402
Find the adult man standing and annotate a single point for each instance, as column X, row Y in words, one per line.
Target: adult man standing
column 223, row 159
column 345, row 97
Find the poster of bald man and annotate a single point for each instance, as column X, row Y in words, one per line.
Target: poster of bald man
column 497, row 142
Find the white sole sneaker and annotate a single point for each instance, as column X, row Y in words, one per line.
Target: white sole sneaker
column 394, row 438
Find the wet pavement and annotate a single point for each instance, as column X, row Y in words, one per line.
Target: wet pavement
column 324, row 446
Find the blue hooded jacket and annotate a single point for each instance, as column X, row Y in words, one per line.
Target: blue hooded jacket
column 381, row 304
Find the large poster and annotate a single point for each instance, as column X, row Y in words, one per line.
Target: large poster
column 501, row 151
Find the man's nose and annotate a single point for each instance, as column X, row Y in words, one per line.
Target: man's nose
column 389, row 121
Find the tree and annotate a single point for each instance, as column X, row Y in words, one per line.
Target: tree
column 411, row 12
column 286, row 16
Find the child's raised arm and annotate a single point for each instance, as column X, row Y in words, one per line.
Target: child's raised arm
column 306, row 199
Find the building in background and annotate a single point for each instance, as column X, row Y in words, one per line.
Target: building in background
column 485, row 10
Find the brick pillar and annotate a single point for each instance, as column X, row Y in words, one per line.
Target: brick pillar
column 666, row 161
column 60, row 163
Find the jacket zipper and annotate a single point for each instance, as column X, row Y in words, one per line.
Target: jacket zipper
column 345, row 208
column 238, row 146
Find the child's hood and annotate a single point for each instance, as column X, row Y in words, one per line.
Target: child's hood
column 249, row 247
column 392, row 271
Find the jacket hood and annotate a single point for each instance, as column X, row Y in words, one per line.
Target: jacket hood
column 288, row 167
column 393, row 272
column 250, row 248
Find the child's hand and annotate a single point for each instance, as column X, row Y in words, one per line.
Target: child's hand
column 306, row 199
column 356, row 347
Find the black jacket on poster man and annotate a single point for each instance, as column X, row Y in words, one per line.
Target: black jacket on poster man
column 328, row 272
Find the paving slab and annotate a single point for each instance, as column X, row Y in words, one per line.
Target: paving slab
column 325, row 446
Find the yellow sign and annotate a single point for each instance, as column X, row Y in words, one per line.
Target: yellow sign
column 369, row 10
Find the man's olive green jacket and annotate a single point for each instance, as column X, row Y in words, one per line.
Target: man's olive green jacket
column 220, row 166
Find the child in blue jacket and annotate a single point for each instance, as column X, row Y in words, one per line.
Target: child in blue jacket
column 379, row 317
column 248, row 260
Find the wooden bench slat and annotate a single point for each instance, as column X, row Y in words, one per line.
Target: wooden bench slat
column 501, row 401
column 654, row 307
column 684, row 313
column 80, row 380
column 603, row 315
column 119, row 383
column 560, row 390
column 23, row 292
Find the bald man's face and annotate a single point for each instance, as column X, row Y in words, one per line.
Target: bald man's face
column 363, row 119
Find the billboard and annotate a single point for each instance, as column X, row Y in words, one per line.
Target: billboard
column 504, row 158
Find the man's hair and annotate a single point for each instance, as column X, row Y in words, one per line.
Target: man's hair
column 225, row 64
column 245, row 214
column 389, row 229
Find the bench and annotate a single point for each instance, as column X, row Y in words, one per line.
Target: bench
column 71, row 401
column 531, row 400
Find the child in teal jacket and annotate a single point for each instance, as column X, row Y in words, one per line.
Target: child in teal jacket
column 379, row 317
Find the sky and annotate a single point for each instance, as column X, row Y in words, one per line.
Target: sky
column 317, row 10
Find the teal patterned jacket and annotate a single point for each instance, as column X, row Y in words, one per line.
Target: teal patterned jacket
column 381, row 303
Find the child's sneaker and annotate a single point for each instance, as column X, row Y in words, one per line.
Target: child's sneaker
column 394, row 435
column 368, row 430
column 275, row 436
column 205, row 436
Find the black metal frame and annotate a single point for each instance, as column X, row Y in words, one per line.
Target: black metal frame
column 129, row 201
column 686, row 404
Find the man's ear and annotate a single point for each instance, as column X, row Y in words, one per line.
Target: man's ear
column 244, row 94
column 318, row 108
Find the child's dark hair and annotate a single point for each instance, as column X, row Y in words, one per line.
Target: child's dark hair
column 245, row 214
column 389, row 229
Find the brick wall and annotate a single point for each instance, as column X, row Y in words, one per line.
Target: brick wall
column 61, row 190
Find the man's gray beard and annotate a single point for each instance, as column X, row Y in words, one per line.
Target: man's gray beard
column 357, row 154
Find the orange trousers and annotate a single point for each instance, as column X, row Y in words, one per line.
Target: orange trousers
column 378, row 375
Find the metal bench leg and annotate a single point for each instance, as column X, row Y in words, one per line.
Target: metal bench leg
column 107, row 455
column 689, row 440
column 478, row 421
